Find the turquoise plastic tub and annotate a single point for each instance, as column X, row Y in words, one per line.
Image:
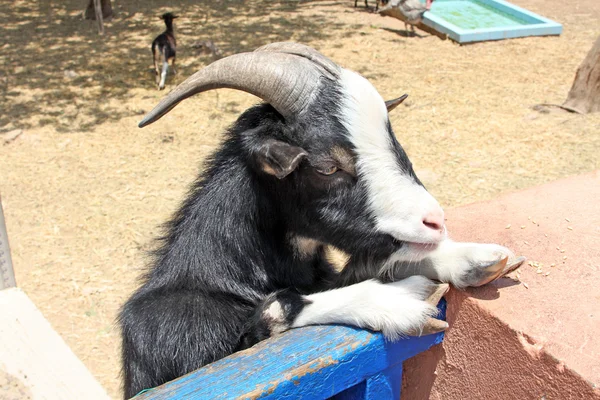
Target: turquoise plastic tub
column 468, row 21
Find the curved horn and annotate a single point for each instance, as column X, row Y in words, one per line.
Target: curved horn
column 304, row 51
column 391, row 104
column 285, row 80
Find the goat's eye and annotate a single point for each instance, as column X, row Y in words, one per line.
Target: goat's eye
column 327, row 170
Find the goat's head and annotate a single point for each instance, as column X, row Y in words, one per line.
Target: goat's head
column 168, row 17
column 325, row 148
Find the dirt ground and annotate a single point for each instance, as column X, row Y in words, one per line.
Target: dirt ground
column 85, row 191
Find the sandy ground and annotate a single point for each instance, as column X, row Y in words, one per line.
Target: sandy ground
column 85, row 191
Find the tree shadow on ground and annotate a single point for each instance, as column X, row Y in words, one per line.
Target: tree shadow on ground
column 58, row 71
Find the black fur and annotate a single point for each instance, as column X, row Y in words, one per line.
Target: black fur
column 227, row 254
column 261, row 325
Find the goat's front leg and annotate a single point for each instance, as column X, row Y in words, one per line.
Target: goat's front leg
column 402, row 308
column 461, row 264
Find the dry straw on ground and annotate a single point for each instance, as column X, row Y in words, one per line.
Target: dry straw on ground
column 84, row 190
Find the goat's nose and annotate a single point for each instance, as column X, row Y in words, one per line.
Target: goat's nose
column 434, row 220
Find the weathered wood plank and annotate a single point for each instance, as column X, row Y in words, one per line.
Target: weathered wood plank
column 312, row 362
column 35, row 363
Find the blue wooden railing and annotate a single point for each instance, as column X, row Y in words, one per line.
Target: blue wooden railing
column 315, row 362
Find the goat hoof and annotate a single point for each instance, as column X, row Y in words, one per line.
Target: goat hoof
column 431, row 326
column 513, row 265
column 437, row 294
column 499, row 269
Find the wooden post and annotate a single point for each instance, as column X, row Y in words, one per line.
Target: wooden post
column 7, row 274
column 584, row 96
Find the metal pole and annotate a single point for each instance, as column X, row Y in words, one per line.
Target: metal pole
column 7, row 274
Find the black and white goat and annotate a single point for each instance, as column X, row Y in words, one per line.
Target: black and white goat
column 317, row 164
column 164, row 49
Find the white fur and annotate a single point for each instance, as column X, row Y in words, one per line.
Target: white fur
column 451, row 261
column 410, row 253
column 395, row 308
column 275, row 312
column 397, row 201
column 276, row 317
column 163, row 74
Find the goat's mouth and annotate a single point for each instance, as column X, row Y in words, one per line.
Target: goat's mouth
column 416, row 248
column 422, row 247
column 416, row 251
column 413, row 251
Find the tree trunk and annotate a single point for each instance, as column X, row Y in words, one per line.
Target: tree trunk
column 99, row 19
column 90, row 12
column 584, row 96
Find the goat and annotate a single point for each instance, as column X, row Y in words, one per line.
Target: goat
column 244, row 257
column 164, row 49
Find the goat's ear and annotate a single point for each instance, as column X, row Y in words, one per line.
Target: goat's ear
column 279, row 158
column 391, row 104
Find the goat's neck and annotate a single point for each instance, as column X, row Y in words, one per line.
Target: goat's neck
column 212, row 240
column 169, row 25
